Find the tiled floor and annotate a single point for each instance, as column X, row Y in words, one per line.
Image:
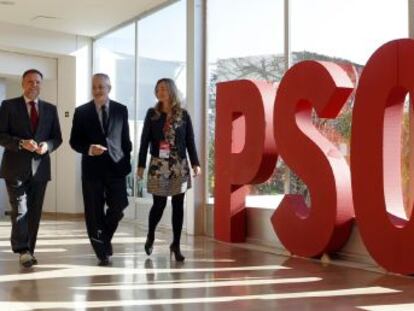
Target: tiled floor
column 215, row 276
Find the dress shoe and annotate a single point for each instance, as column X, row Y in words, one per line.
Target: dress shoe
column 175, row 249
column 26, row 259
column 105, row 261
column 108, row 249
column 34, row 260
column 149, row 245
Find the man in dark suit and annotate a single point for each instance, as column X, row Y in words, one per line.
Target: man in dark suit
column 100, row 132
column 29, row 132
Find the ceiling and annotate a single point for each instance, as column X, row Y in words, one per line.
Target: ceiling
column 81, row 17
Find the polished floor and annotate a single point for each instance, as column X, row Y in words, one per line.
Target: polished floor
column 215, row 276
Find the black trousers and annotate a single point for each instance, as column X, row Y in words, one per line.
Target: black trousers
column 26, row 200
column 157, row 210
column 101, row 224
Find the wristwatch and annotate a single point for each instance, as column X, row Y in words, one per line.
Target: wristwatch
column 20, row 144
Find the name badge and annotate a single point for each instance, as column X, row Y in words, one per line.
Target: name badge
column 164, row 150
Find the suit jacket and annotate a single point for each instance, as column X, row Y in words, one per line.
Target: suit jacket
column 87, row 130
column 153, row 134
column 20, row 164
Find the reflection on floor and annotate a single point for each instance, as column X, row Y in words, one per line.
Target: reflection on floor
column 215, row 276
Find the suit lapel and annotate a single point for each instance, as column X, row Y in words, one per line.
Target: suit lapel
column 112, row 117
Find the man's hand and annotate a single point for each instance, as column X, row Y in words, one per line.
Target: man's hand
column 97, row 150
column 29, row 145
column 140, row 172
column 42, row 148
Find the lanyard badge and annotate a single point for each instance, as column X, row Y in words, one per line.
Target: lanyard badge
column 165, row 149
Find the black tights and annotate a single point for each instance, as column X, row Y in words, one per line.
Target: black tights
column 157, row 210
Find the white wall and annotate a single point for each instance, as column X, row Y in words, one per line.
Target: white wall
column 42, row 41
column 13, row 87
column 69, row 191
column 32, row 41
column 73, row 56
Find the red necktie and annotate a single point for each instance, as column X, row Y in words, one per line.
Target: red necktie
column 34, row 116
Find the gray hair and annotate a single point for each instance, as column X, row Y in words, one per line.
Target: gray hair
column 103, row 76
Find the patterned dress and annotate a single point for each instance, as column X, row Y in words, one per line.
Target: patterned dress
column 169, row 176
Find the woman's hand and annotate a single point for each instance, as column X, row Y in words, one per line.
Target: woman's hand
column 140, row 172
column 196, row 170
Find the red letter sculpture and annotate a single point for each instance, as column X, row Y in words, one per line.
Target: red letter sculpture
column 376, row 156
column 245, row 151
column 326, row 225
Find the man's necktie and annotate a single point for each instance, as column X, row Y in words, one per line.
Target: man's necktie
column 104, row 120
column 34, row 116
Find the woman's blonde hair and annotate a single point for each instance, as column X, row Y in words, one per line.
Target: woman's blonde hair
column 174, row 96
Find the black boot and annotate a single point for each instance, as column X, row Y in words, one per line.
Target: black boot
column 148, row 245
column 175, row 249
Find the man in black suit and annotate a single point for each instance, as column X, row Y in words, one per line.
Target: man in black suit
column 29, row 132
column 100, row 132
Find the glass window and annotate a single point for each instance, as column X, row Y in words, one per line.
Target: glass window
column 161, row 53
column 345, row 32
column 245, row 40
column 114, row 54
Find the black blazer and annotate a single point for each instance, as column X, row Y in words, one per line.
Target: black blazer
column 20, row 164
column 86, row 131
column 153, row 133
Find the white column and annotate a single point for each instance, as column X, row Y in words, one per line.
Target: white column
column 196, row 105
column 68, row 174
column 287, row 50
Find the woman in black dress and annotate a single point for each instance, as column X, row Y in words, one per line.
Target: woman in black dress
column 168, row 132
